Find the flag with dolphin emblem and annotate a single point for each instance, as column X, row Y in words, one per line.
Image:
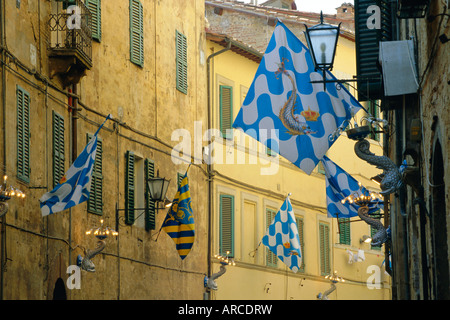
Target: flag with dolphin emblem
column 75, row 186
column 179, row 222
column 282, row 237
column 299, row 115
column 339, row 185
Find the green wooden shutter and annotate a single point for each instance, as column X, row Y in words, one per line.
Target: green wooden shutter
column 23, row 134
column 324, row 239
column 136, row 32
column 300, row 229
column 226, row 110
column 129, row 188
column 374, row 110
column 271, row 258
column 372, row 233
column 68, row 3
column 95, row 202
column 180, row 177
column 95, row 7
column 58, row 148
column 367, row 47
column 344, row 231
column 320, row 168
column 181, row 61
column 150, row 206
column 227, row 225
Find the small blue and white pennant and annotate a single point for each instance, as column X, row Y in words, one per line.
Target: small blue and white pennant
column 282, row 237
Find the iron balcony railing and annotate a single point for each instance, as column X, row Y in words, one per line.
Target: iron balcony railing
column 69, row 31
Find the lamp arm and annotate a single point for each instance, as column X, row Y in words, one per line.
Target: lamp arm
column 3, row 208
column 324, row 296
column 210, row 281
column 86, row 263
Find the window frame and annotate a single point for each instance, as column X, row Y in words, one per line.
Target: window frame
column 230, row 246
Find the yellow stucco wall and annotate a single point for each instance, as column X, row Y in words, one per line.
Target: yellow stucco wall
column 255, row 192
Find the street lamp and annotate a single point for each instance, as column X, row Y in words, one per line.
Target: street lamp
column 6, row 192
column 158, row 188
column 101, row 233
column 322, row 41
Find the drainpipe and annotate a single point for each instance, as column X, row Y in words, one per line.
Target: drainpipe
column 402, row 201
column 209, row 166
column 73, row 105
column 74, row 110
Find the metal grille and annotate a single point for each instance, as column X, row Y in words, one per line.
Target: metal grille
column 70, row 32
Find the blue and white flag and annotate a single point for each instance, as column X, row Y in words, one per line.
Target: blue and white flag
column 285, row 111
column 75, row 186
column 282, row 237
column 339, row 185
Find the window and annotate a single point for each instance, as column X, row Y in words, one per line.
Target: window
column 226, row 225
column 324, row 246
column 181, row 61
column 95, row 23
column 226, row 111
column 344, row 231
column 136, row 32
column 249, row 241
column 58, row 148
column 95, row 202
column 137, row 193
column 23, row 134
column 271, row 258
column 300, row 228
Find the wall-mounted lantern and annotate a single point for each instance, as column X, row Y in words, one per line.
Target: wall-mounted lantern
column 322, row 41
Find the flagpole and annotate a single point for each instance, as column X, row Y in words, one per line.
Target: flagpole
column 188, row 168
column 254, row 251
column 109, row 116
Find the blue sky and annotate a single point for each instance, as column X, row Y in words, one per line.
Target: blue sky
column 327, row 6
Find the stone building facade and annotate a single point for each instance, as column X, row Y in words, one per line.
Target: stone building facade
column 57, row 87
column 420, row 212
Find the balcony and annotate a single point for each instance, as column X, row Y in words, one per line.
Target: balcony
column 69, row 41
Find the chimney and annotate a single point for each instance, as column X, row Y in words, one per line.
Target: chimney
column 345, row 11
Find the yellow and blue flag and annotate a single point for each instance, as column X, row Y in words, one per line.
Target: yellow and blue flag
column 179, row 222
column 74, row 188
